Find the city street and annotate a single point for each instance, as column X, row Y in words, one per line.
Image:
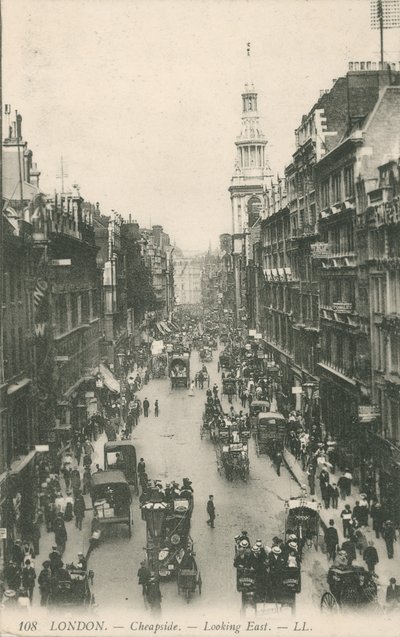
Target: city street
column 172, row 449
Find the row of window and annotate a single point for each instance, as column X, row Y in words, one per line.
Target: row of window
column 337, row 187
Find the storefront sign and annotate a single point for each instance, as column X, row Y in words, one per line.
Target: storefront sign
column 41, row 448
column 297, row 390
column 368, row 413
column 3, row 533
column 61, row 262
column 342, row 307
column 320, row 250
column 89, row 394
column 61, row 359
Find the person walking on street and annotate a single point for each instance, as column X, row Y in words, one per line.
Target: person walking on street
column 44, row 581
column 350, row 548
column 342, row 484
column 67, row 470
column 311, row 479
column 88, row 447
column 377, row 518
column 143, row 576
column 87, row 477
column 370, row 557
column 60, row 533
column 393, row 594
column 146, row 406
column 389, row 535
column 348, row 476
column 331, row 540
column 156, row 409
column 28, row 577
column 79, row 510
column 36, row 533
column 334, row 491
column 211, row 511
column 346, row 520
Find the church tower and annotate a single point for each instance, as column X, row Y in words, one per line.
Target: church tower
column 252, row 171
column 250, row 180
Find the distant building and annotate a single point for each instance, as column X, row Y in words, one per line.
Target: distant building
column 187, row 278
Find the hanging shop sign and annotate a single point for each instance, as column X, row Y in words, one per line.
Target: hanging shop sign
column 342, row 308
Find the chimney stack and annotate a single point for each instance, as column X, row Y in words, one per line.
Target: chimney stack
column 19, row 126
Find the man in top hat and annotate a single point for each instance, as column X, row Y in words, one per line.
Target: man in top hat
column 331, row 540
column 44, row 581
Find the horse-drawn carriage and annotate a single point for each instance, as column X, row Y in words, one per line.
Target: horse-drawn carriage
column 258, row 407
column 271, row 432
column 302, row 518
column 268, row 590
column 229, row 386
column 189, row 576
column 175, row 536
column 235, row 460
column 352, row 587
column 74, row 591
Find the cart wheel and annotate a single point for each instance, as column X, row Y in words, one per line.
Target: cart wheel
column 329, row 603
column 199, row 583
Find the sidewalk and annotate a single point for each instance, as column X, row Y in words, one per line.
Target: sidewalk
column 78, row 541
column 386, row 568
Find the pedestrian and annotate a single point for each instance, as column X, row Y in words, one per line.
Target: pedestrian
column 67, row 470
column 88, row 447
column 156, row 409
column 323, row 480
column 334, row 495
column 69, row 507
column 331, row 540
column 87, row 477
column 326, row 494
column 28, row 577
column 211, row 511
column 79, row 510
column 44, row 581
column 342, row 484
column 144, row 576
column 393, row 594
column 364, row 509
column 311, row 479
column 141, row 468
column 370, row 557
column 17, row 553
column 75, row 481
column 346, row 519
column 78, row 452
column 358, row 513
column 361, row 541
column 389, row 535
column 350, row 548
column 13, row 575
column 348, row 476
column 377, row 515
column 60, row 533
column 146, row 406
column 54, row 559
column 153, row 595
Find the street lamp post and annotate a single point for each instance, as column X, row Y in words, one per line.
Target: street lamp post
column 154, row 514
column 121, row 359
column 309, row 389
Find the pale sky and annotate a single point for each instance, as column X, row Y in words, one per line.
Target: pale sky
column 142, row 97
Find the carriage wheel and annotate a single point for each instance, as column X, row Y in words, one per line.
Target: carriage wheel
column 199, row 583
column 329, row 603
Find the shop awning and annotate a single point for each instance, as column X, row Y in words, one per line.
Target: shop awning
column 19, row 384
column 162, row 328
column 109, row 379
column 20, row 464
